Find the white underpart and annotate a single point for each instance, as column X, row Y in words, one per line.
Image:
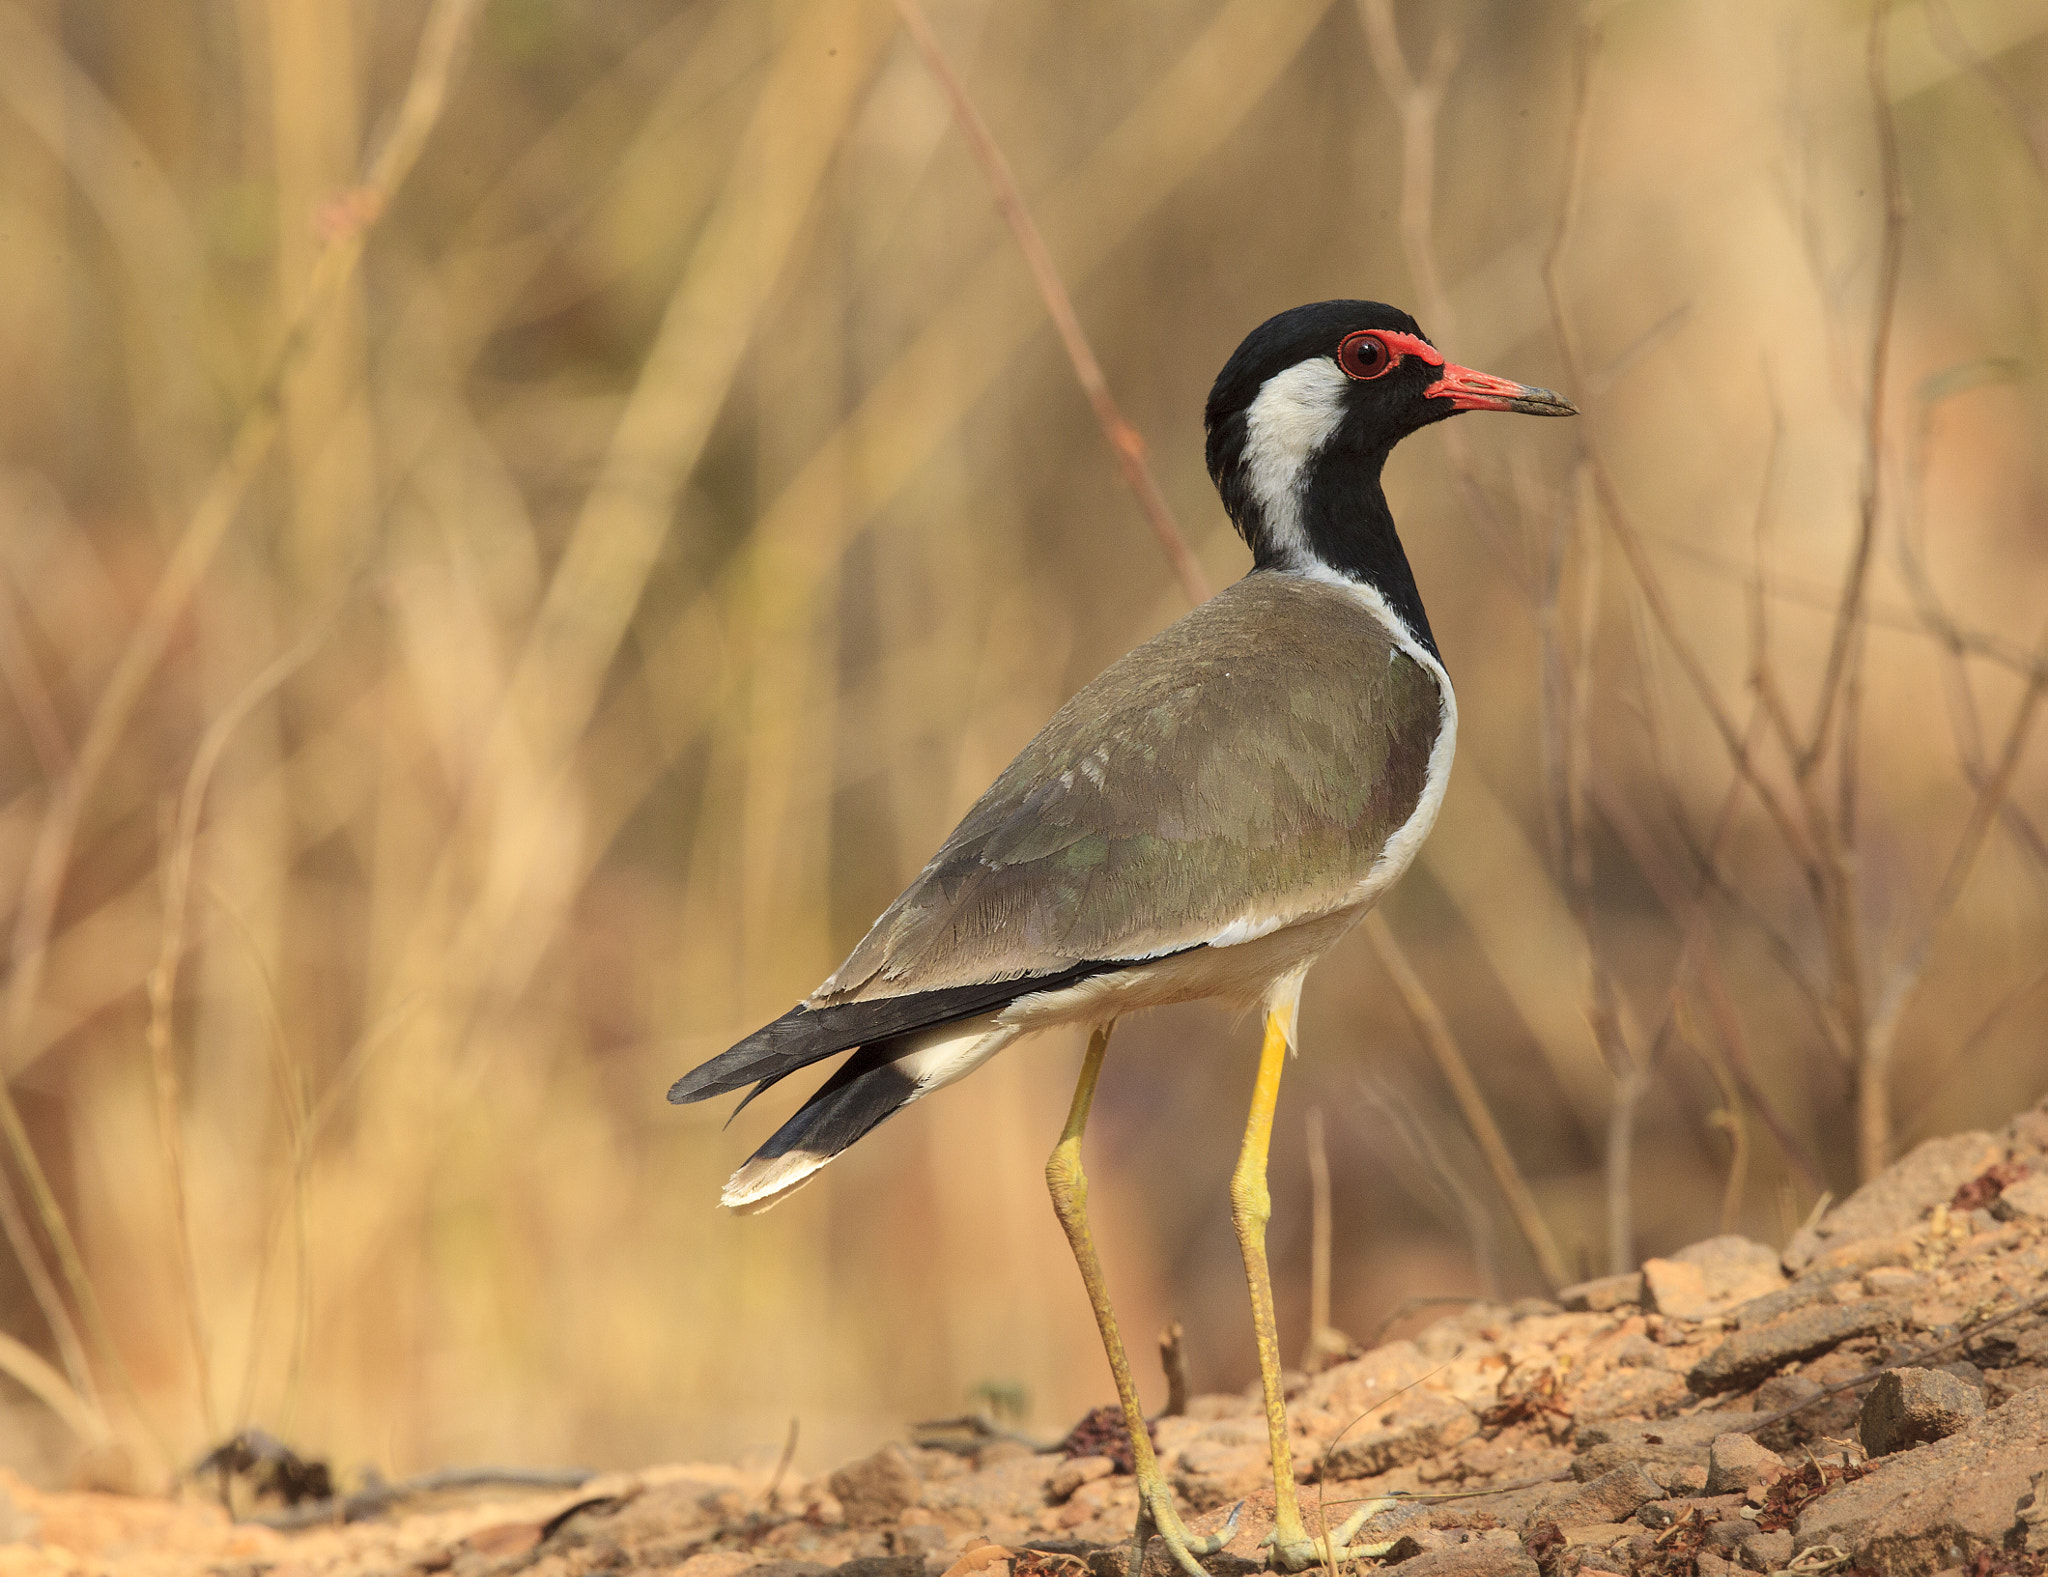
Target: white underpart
column 1400, row 849
column 1295, row 413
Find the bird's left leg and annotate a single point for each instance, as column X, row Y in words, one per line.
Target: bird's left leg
column 1251, row 1206
column 1069, row 1187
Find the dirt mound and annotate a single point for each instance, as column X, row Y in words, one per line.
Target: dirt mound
column 1874, row 1399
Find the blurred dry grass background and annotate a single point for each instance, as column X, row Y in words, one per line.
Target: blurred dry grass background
column 496, row 592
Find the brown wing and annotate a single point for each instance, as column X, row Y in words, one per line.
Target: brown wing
column 1249, row 762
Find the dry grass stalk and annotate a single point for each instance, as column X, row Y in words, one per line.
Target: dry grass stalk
column 182, row 836
column 1443, row 1048
column 445, row 32
column 1320, row 1240
column 1123, row 439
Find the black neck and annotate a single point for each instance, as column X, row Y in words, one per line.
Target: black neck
column 1349, row 530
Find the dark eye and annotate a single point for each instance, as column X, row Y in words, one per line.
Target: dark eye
column 1364, row 355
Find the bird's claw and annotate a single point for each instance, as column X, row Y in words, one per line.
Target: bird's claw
column 1299, row 1555
column 1156, row 1514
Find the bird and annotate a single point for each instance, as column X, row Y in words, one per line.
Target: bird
column 1204, row 819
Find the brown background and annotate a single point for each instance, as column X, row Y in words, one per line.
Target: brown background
column 684, row 509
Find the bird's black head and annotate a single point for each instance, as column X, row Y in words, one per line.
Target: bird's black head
column 1303, row 416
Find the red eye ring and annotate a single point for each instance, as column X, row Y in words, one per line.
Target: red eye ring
column 1365, row 355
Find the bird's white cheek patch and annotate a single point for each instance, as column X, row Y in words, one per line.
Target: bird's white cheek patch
column 1297, row 412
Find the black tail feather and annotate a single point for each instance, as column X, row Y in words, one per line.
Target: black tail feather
column 865, row 1090
column 805, row 1035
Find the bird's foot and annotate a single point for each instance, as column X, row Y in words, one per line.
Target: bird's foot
column 1302, row 1553
column 1156, row 1514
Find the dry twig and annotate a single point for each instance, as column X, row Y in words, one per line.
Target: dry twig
column 1123, row 439
column 1443, row 1048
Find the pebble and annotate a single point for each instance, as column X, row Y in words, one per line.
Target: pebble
column 1736, row 1461
column 1767, row 1552
column 1603, row 1293
column 1754, row 1353
column 1908, row 1407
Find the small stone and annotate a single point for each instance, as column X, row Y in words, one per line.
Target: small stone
column 1767, row 1552
column 1753, row 1354
column 2025, row 1200
column 1899, row 1196
column 1418, row 1425
column 1690, row 1479
column 1734, row 1268
column 1735, row 1462
column 1892, row 1281
column 1477, row 1559
column 1908, row 1407
column 1725, row 1537
column 1676, row 1290
column 877, row 1489
column 1070, row 1476
column 1612, row 1497
column 1603, row 1293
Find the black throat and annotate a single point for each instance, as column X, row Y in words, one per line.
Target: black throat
column 1345, row 524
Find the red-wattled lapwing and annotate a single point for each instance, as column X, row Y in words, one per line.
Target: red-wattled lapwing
column 1204, row 819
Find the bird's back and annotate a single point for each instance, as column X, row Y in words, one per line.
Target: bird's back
column 1243, row 768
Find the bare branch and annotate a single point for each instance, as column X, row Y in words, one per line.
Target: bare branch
column 1849, row 615
column 1605, row 487
column 1689, row 911
column 1123, row 439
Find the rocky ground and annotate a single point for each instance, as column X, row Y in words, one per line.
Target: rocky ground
column 1874, row 1399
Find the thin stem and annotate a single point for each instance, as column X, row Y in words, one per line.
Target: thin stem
column 441, row 44
column 1319, row 1241
column 1123, row 439
column 1443, row 1048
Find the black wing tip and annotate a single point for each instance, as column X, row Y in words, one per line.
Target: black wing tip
column 687, row 1089
column 808, row 1034
column 732, row 1069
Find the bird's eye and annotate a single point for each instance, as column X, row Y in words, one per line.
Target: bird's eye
column 1364, row 355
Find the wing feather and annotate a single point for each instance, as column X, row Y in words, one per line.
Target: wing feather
column 1248, row 763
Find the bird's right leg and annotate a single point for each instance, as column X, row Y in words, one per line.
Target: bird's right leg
column 1069, row 1186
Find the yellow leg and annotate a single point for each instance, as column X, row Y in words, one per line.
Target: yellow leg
column 1251, row 1207
column 1069, row 1187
